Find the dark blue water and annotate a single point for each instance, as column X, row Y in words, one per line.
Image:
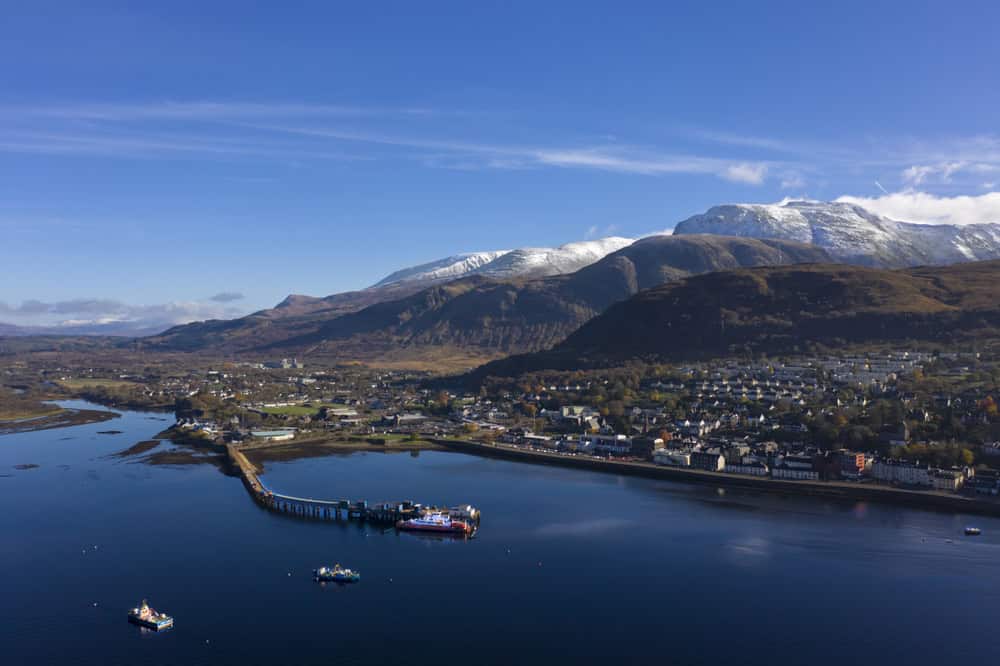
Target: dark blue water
column 569, row 567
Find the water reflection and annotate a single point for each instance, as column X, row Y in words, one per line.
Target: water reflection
column 555, row 544
column 584, row 528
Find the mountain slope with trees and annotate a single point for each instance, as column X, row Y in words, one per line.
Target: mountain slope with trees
column 496, row 318
column 784, row 309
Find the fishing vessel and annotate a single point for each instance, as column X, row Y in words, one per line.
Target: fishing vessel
column 145, row 616
column 438, row 523
column 972, row 531
column 336, row 574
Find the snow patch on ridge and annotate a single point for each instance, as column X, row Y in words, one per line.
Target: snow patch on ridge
column 505, row 264
column 443, row 269
column 850, row 232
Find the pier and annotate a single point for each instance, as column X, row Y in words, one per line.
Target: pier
column 383, row 513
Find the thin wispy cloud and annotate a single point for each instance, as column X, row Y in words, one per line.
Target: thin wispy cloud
column 742, row 140
column 944, row 172
column 102, row 144
column 944, row 161
column 594, row 231
column 605, row 158
column 792, row 180
column 209, row 110
column 247, row 131
column 226, row 297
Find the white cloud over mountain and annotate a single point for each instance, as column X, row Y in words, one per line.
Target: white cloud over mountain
column 752, row 174
column 945, row 172
column 926, row 208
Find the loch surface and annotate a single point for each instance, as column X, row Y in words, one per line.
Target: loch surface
column 569, row 566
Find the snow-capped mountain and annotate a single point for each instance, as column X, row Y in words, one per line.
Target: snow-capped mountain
column 505, row 264
column 850, row 233
column 448, row 268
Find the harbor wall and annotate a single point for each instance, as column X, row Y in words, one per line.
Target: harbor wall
column 829, row 489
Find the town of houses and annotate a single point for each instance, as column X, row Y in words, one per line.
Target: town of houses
column 764, row 418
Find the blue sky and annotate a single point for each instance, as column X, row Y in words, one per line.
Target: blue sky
column 160, row 156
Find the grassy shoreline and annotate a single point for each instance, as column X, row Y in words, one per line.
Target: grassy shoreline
column 7, row 416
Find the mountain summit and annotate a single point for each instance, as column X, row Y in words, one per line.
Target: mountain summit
column 528, row 262
column 850, row 233
column 477, row 314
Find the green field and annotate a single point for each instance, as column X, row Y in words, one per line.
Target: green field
column 13, row 413
column 84, row 382
column 291, row 410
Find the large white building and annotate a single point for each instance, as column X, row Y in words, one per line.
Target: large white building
column 672, row 457
column 618, row 445
column 901, row 471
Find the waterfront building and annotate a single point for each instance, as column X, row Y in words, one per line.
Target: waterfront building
column 850, row 463
column 618, row 445
column 540, row 441
column 947, row 480
column 672, row 457
column 711, row 461
column 802, row 462
column 751, row 469
column 273, row 435
column 794, row 474
column 987, row 483
column 902, row 472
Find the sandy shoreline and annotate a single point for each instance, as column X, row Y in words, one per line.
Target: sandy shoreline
column 61, row 419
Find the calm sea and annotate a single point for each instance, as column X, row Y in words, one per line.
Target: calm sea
column 569, row 567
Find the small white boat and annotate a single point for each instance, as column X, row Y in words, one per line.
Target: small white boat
column 973, row 531
column 144, row 616
column 337, row 574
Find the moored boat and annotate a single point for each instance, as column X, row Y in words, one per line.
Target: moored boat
column 437, row 523
column 337, row 574
column 972, row 531
column 145, row 616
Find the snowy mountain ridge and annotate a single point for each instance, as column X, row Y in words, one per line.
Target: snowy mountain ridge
column 850, row 233
column 505, row 264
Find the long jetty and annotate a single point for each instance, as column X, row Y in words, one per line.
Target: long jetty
column 335, row 509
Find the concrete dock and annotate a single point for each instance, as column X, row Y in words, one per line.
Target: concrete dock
column 385, row 513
